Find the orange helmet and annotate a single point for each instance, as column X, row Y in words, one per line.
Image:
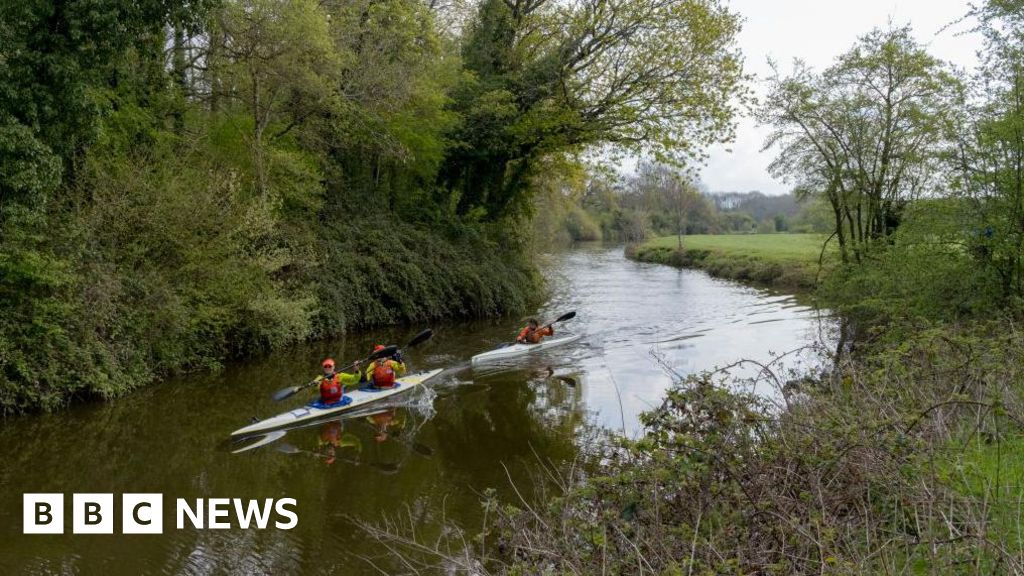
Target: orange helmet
column 328, row 363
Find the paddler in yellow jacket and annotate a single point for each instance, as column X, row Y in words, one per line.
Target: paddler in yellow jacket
column 381, row 373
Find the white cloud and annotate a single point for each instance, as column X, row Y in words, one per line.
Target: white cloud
column 817, row 31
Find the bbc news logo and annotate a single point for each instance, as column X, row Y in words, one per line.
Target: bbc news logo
column 144, row 513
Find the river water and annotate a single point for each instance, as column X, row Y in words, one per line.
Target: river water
column 424, row 461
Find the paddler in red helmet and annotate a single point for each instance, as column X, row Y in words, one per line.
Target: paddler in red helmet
column 332, row 384
column 381, row 373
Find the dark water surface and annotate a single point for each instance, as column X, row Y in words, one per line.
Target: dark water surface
column 426, row 459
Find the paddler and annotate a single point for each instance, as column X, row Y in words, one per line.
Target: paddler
column 332, row 384
column 381, row 373
column 533, row 333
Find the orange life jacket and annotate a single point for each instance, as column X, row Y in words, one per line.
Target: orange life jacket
column 383, row 374
column 331, row 389
column 535, row 336
column 330, row 433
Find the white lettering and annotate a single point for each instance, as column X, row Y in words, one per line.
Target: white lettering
column 184, row 510
column 218, row 508
column 282, row 511
column 262, row 515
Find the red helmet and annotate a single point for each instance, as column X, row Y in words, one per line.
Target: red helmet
column 378, row 347
column 328, row 363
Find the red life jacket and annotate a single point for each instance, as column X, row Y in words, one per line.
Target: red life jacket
column 383, row 375
column 330, row 389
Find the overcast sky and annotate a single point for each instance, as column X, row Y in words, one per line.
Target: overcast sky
column 817, row 31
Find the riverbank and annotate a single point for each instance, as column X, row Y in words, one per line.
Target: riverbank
column 783, row 261
column 117, row 319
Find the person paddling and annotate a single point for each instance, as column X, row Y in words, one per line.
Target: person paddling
column 332, row 384
column 533, row 333
column 383, row 371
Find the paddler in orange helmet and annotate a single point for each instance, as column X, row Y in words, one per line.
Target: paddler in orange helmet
column 381, row 373
column 332, row 384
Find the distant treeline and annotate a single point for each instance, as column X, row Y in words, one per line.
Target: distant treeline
column 660, row 201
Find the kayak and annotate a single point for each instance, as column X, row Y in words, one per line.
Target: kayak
column 514, row 350
column 352, row 401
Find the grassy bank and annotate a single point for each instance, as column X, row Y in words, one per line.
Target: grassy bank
column 787, row 261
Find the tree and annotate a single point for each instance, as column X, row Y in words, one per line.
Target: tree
column 277, row 58
column 665, row 190
column 659, row 78
column 989, row 158
column 867, row 134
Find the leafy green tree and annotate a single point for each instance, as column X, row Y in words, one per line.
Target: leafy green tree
column 866, row 134
column 278, row 60
column 989, row 157
column 658, row 78
column 389, row 138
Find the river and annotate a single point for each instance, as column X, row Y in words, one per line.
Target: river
column 426, row 460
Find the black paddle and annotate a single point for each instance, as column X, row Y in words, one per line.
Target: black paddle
column 562, row 318
column 420, row 338
column 291, row 391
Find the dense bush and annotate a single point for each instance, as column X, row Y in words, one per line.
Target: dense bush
column 405, row 273
column 929, row 270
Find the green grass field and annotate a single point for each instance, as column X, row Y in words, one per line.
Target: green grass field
column 772, row 247
column 788, row 261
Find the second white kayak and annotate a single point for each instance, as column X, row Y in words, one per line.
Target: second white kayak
column 521, row 349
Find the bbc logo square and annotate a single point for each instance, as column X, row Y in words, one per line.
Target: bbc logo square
column 93, row 514
column 142, row 514
column 42, row 513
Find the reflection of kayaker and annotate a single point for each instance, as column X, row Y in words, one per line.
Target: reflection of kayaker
column 385, row 420
column 332, row 438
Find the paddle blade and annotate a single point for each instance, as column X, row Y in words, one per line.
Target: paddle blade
column 566, row 316
column 422, row 449
column 386, row 467
column 288, row 448
column 383, row 352
column 285, row 393
column 420, row 338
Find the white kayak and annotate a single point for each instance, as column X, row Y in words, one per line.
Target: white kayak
column 359, row 399
column 521, row 349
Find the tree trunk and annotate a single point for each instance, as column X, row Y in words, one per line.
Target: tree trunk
column 180, row 80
